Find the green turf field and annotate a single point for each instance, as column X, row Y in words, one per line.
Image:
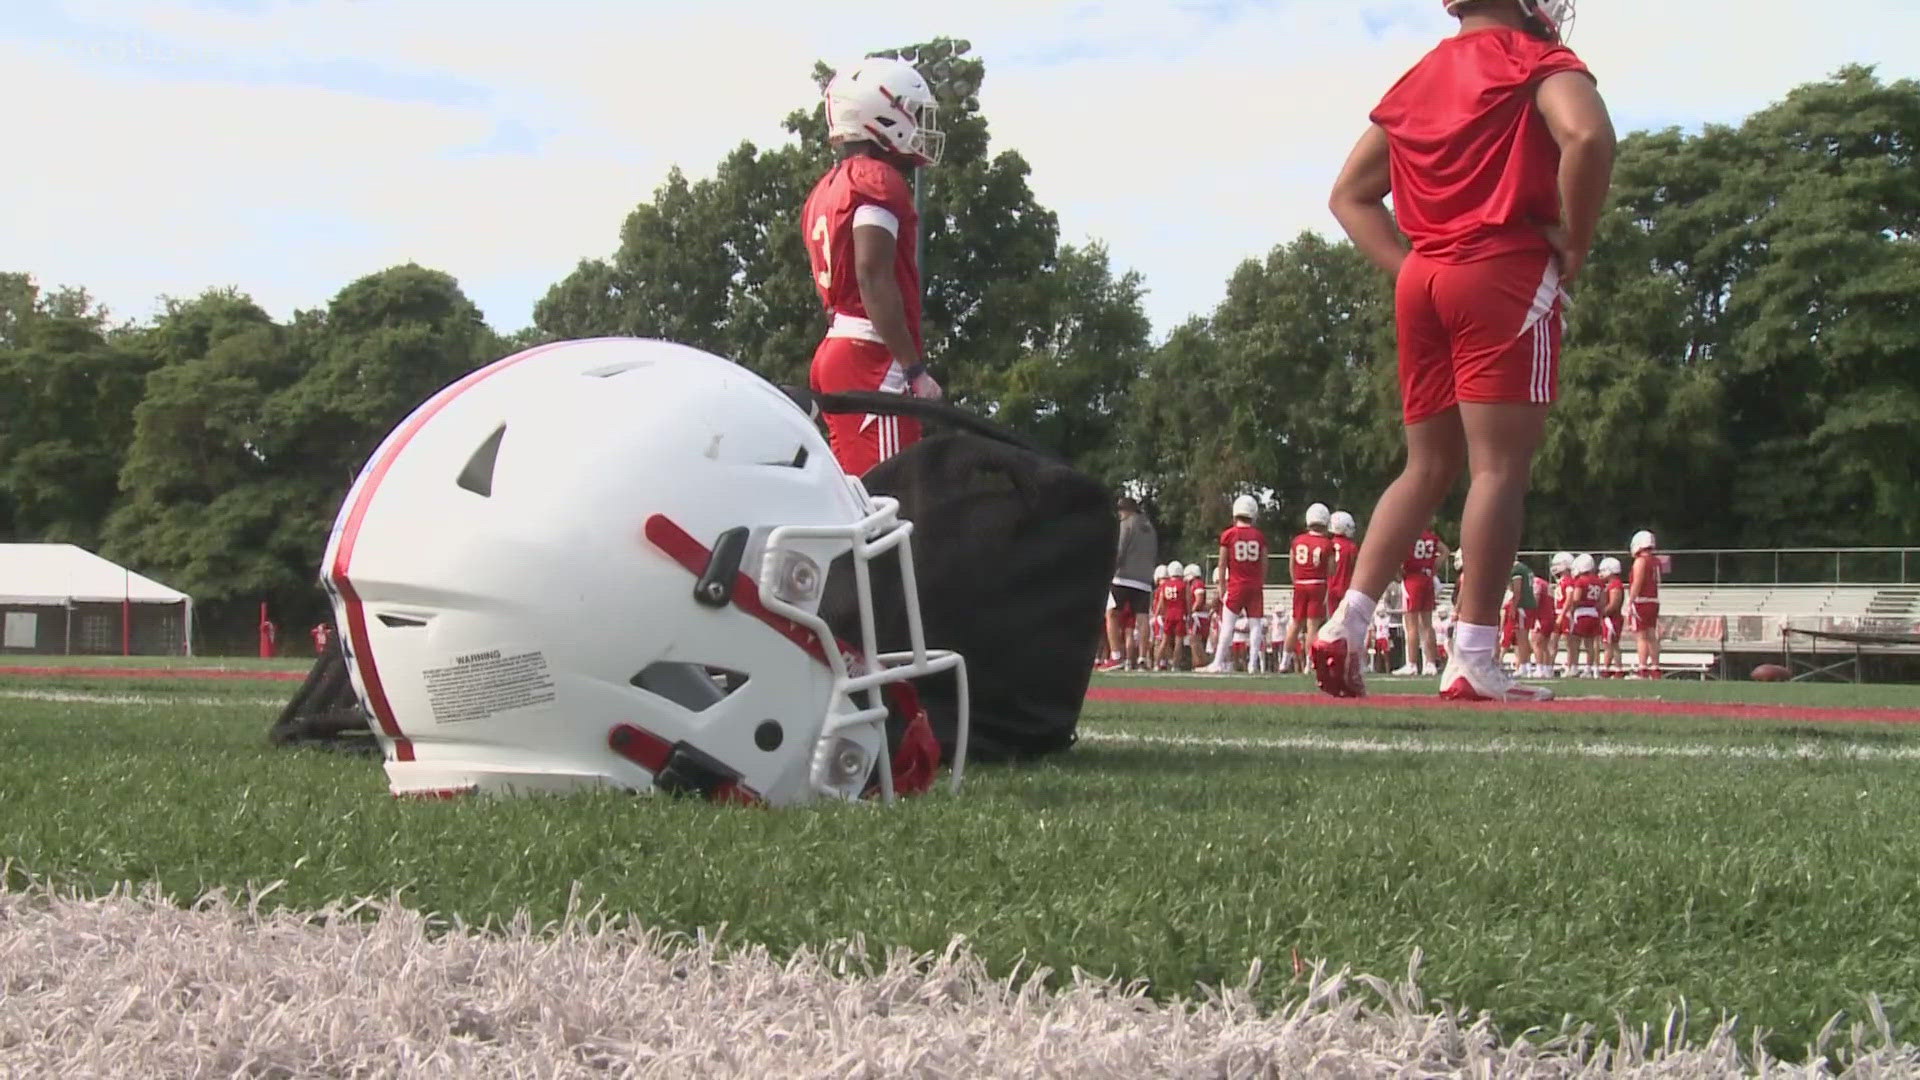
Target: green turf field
column 1594, row 864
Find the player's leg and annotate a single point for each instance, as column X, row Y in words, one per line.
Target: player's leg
column 860, row 441
column 1229, row 619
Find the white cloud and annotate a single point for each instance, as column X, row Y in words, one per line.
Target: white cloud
column 1188, row 136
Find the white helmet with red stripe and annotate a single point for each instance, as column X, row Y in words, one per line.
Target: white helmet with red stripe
column 885, row 101
column 601, row 564
column 1553, row 17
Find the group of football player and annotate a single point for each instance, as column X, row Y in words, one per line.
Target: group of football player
column 1570, row 622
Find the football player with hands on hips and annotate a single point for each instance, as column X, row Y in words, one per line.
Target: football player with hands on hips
column 861, row 234
column 1498, row 152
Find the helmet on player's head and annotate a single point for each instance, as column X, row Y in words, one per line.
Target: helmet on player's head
column 1610, row 565
column 885, row 101
column 601, row 564
column 1318, row 516
column 1560, row 563
column 1583, row 564
column 1642, row 541
column 1342, row 523
column 1192, row 571
column 1554, row 18
column 1160, row 572
column 1246, row 506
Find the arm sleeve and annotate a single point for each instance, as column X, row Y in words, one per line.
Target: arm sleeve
column 869, row 214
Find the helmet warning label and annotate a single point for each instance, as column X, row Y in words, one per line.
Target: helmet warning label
column 481, row 685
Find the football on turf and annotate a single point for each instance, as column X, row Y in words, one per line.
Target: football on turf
column 1770, row 673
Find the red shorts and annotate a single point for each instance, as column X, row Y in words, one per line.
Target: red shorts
column 1244, row 598
column 861, row 440
column 1486, row 331
column 1610, row 626
column 1563, row 623
column 1538, row 619
column 1201, row 624
column 1172, row 626
column 1586, row 626
column 1310, row 600
column 1643, row 615
column 1419, row 592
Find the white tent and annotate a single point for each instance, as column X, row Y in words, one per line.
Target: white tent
column 62, row 576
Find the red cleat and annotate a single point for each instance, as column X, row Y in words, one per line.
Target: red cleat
column 1336, row 664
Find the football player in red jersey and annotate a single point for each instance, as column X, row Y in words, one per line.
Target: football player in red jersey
column 1417, row 575
column 1243, row 579
column 1589, row 599
column 1498, row 152
column 1345, row 549
column 1643, row 603
column 1612, row 616
column 1540, row 628
column 1198, row 610
column 861, row 234
column 1170, row 602
column 1310, row 559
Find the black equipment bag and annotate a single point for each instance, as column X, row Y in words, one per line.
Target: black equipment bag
column 1013, row 553
column 325, row 711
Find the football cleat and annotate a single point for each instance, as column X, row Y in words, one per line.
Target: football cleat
column 1337, row 666
column 1465, row 680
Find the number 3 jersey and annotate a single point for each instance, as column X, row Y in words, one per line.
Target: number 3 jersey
column 860, row 191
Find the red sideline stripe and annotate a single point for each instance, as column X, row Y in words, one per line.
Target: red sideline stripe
column 156, row 673
column 350, row 534
column 1717, row 710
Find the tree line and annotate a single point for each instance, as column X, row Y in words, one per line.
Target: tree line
column 1742, row 364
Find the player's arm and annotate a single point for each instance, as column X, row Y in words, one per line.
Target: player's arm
column 1220, row 568
column 1577, row 117
column 1358, row 202
column 874, row 252
column 1639, row 587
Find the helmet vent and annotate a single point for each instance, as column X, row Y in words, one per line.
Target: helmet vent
column 697, row 687
column 477, row 475
column 608, row 371
column 399, row 622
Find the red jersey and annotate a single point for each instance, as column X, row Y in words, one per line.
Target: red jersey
column 1246, row 549
column 1426, row 552
column 1196, row 595
column 1311, row 558
column 1474, row 169
column 860, row 190
column 1589, row 592
column 1650, row 584
column 1172, row 593
column 1345, row 552
column 1616, row 595
column 1565, row 591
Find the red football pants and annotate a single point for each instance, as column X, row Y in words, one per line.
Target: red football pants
column 862, row 440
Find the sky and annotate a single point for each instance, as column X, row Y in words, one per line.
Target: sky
column 287, row 147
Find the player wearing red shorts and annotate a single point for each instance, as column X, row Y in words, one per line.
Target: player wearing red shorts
column 1498, row 152
column 1612, row 616
column 1417, row 577
column 1243, row 577
column 1540, row 628
column 1643, row 603
column 1170, row 599
column 1310, row 561
column 861, row 235
column 1198, row 612
column 1589, row 598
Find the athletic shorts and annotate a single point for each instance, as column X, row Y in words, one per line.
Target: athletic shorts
column 1172, row 626
column 1611, row 626
column 1643, row 615
column 1309, row 600
column 1244, row 599
column 1131, row 601
column 1586, row 625
column 861, row 440
column 1201, row 624
column 1419, row 592
column 1486, row 331
column 1563, row 623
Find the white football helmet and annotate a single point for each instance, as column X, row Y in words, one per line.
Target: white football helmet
column 1561, row 563
column 1318, row 516
column 1554, row 17
column 1160, row 572
column 1246, row 506
column 1642, row 541
column 1583, row 564
column 885, row 101
column 601, row 563
column 1192, row 571
column 1610, row 566
column 1342, row 524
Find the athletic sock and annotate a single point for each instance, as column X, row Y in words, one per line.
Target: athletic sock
column 1475, row 642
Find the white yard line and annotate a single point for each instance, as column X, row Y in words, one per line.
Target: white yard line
column 83, row 698
column 1806, row 752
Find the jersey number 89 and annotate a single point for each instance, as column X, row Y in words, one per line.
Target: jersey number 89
column 1246, row 551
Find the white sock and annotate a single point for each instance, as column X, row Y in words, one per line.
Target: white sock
column 1474, row 640
column 1359, row 613
column 1256, row 641
column 1225, row 644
